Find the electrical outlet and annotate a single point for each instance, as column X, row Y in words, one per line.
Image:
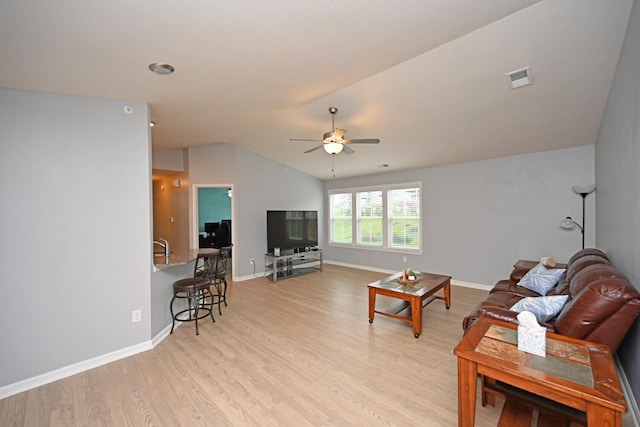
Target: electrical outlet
column 136, row 315
column 252, row 261
column 404, row 259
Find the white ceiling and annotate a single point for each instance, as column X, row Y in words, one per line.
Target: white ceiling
column 427, row 77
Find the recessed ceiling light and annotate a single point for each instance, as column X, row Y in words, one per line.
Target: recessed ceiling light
column 160, row 68
column 152, row 124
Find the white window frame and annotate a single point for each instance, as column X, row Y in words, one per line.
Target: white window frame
column 386, row 221
column 331, row 218
column 360, row 218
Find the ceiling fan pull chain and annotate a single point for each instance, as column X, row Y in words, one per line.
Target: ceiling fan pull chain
column 333, row 165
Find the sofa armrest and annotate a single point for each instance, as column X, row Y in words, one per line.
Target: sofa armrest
column 511, row 287
column 506, row 315
column 498, row 313
column 518, row 274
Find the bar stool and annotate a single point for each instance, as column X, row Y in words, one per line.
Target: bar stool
column 197, row 291
column 220, row 276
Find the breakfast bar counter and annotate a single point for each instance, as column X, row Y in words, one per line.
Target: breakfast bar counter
column 176, row 257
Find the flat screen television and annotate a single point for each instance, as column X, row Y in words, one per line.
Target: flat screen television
column 291, row 231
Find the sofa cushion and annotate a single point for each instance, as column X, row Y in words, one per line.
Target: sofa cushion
column 496, row 299
column 544, row 308
column 583, row 262
column 586, row 252
column 541, row 279
column 596, row 304
column 512, row 287
column 592, row 273
column 562, row 288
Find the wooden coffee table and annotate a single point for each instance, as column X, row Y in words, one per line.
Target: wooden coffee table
column 414, row 297
column 575, row 373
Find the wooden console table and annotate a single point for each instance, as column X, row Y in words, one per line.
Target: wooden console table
column 575, row 373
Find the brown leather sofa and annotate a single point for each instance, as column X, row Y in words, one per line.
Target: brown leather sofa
column 601, row 307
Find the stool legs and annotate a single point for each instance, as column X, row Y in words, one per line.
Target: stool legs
column 224, row 293
column 219, row 295
column 195, row 302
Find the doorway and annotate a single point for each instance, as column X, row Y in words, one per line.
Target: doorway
column 212, row 207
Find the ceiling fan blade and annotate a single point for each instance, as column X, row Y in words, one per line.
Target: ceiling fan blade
column 313, row 149
column 362, row 141
column 347, row 150
column 302, row 139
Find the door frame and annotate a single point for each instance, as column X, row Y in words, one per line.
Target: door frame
column 194, row 240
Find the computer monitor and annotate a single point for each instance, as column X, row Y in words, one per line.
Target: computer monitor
column 211, row 227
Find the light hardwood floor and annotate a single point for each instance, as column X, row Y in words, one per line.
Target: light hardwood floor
column 293, row 353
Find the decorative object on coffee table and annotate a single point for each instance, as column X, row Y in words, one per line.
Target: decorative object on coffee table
column 409, row 277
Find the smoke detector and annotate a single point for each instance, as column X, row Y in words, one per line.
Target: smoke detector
column 519, row 78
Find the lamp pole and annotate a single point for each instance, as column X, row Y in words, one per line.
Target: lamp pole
column 584, row 197
column 584, row 191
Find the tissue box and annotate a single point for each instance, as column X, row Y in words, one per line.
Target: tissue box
column 532, row 340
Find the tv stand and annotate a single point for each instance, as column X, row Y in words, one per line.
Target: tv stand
column 290, row 265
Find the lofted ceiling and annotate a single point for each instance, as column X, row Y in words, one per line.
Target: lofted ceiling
column 427, row 77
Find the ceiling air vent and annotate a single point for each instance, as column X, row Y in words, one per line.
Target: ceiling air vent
column 519, row 78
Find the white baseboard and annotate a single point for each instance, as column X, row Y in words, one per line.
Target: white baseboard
column 360, row 267
column 163, row 334
column 379, row 270
column 248, row 277
column 382, row 270
column 632, row 406
column 76, row 368
column 472, row 285
column 85, row 365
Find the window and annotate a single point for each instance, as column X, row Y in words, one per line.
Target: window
column 340, row 217
column 369, row 219
column 404, row 218
column 385, row 217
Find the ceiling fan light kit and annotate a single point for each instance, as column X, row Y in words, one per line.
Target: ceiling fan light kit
column 333, row 142
column 332, row 147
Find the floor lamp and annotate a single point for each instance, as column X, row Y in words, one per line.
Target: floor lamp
column 583, row 191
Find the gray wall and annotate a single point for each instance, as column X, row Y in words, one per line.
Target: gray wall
column 75, row 228
column 480, row 217
column 259, row 184
column 617, row 178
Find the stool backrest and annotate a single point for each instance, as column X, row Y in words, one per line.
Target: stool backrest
column 206, row 264
column 223, row 256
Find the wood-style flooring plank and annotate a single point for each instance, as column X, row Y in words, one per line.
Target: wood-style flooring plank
column 298, row 352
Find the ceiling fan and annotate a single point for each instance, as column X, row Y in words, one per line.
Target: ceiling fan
column 333, row 142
